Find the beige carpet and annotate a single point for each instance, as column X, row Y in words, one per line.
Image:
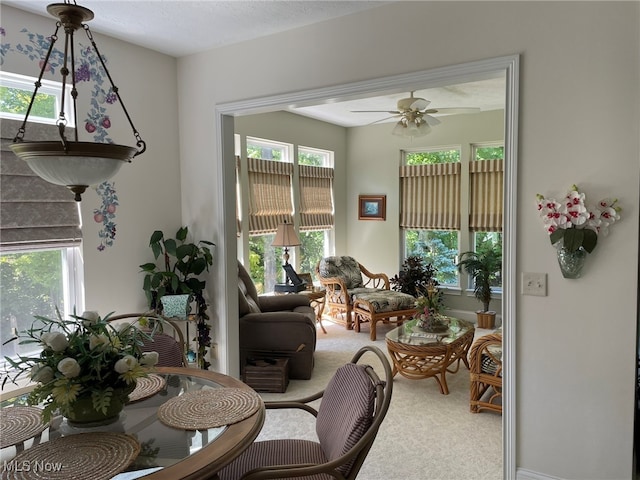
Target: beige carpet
column 425, row 435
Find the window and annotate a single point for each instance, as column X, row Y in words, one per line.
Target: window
column 16, row 92
column 37, row 282
column 430, row 204
column 40, row 256
column 279, row 191
column 432, row 213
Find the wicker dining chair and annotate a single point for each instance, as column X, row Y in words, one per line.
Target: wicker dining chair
column 353, row 406
column 171, row 348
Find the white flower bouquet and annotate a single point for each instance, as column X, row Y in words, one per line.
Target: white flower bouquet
column 84, row 356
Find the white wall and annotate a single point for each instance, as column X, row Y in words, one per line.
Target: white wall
column 578, row 124
column 148, row 189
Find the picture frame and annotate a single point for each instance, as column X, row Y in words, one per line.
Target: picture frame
column 372, row 207
column 292, row 275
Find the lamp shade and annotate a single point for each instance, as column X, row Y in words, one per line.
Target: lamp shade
column 286, row 236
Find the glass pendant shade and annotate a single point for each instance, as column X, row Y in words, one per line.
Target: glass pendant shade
column 79, row 165
column 72, row 163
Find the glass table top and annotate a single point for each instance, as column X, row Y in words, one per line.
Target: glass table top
column 161, row 446
column 410, row 334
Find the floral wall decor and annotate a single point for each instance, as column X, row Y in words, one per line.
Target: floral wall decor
column 96, row 122
column 574, row 228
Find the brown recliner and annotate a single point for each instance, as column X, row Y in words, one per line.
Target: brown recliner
column 276, row 326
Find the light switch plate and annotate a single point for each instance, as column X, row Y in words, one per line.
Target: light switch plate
column 534, row 284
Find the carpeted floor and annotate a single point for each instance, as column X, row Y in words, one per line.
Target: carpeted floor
column 425, row 435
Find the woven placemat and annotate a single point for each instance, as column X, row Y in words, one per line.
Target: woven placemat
column 147, row 387
column 18, row 424
column 209, row 408
column 90, row 456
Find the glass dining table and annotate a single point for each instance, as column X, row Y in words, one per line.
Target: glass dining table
column 165, row 452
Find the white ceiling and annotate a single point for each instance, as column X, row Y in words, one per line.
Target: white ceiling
column 182, row 27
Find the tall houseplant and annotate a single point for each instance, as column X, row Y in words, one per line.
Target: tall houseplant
column 180, row 272
column 483, row 266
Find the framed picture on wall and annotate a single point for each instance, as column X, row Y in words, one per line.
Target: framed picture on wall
column 372, row 207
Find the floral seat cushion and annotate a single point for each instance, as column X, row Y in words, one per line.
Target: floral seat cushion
column 384, row 300
column 489, row 364
column 343, row 267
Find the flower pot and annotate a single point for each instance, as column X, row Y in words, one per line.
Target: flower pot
column 486, row 319
column 82, row 414
column 571, row 263
column 176, row 306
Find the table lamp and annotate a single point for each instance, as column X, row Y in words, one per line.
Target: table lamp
column 286, row 237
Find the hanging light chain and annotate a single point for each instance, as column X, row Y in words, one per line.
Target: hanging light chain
column 142, row 146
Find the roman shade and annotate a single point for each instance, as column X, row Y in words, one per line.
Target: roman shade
column 269, row 195
column 316, row 197
column 33, row 213
column 486, row 195
column 430, row 196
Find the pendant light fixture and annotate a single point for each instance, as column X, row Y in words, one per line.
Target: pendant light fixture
column 72, row 163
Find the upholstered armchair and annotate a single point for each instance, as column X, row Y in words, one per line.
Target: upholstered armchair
column 485, row 366
column 354, row 295
column 276, row 326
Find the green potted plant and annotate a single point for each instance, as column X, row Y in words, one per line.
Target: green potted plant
column 179, row 273
column 484, row 267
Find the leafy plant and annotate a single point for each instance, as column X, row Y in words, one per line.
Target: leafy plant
column 415, row 277
column 483, row 267
column 182, row 264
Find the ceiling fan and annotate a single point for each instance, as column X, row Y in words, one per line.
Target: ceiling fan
column 416, row 119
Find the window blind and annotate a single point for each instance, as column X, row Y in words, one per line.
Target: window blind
column 269, row 195
column 430, row 196
column 316, row 197
column 486, row 195
column 33, row 213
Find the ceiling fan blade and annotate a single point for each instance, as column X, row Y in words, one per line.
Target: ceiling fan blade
column 382, row 120
column 419, row 104
column 432, row 121
column 449, row 111
column 395, row 112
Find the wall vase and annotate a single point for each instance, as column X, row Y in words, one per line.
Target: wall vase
column 571, row 263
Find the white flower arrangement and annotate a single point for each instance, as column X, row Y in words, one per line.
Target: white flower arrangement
column 84, row 356
column 573, row 223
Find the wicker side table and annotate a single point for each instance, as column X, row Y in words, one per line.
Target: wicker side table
column 417, row 354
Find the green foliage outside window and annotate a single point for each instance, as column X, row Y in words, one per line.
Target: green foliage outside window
column 489, row 153
column 430, row 158
column 32, row 284
column 439, row 248
column 16, row 100
column 311, row 250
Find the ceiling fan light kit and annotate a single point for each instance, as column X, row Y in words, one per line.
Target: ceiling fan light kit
column 71, row 163
column 415, row 117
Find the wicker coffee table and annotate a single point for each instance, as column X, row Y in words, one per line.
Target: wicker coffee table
column 418, row 354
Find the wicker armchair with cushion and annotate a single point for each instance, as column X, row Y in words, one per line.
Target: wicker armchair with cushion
column 485, row 365
column 351, row 411
column 354, row 295
column 276, row 326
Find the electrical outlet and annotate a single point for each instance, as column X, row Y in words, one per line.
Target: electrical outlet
column 534, row 284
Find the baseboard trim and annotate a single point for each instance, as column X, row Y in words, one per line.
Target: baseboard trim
column 524, row 474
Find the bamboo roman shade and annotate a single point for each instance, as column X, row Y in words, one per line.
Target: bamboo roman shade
column 269, row 195
column 316, row 197
column 485, row 195
column 33, row 213
column 430, row 196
